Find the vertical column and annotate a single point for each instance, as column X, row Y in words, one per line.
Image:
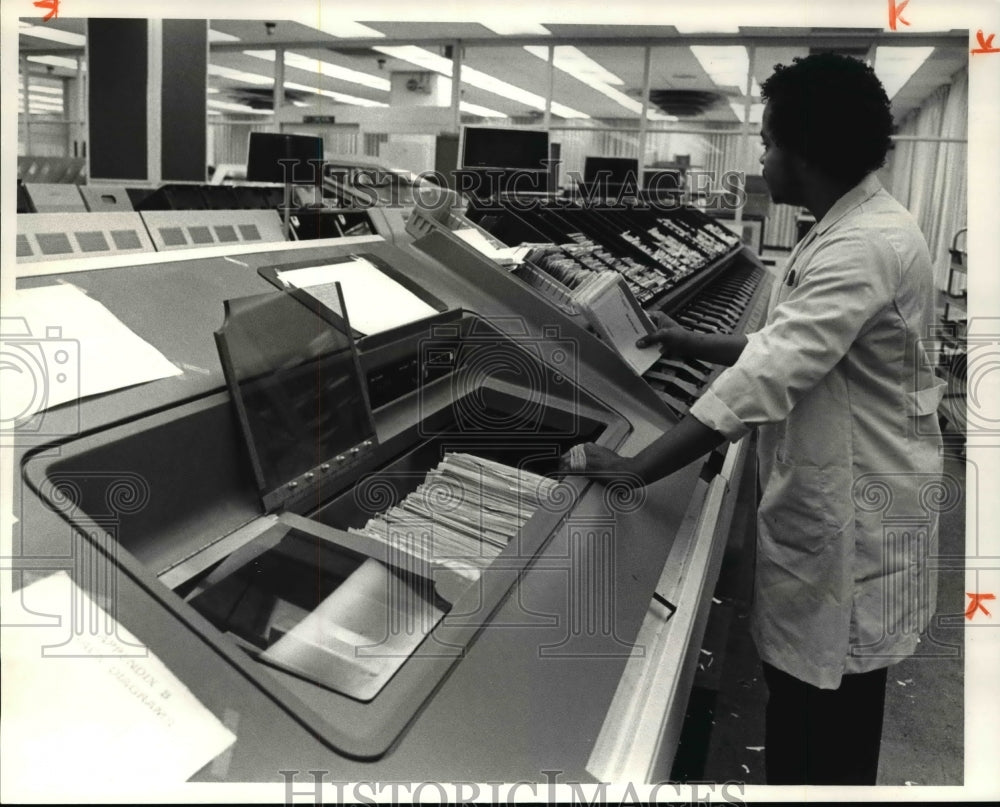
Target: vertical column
column 146, row 99
column 25, row 89
column 647, row 60
column 745, row 135
column 183, row 116
column 279, row 87
column 456, row 85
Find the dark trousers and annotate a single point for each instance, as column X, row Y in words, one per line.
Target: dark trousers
column 823, row 736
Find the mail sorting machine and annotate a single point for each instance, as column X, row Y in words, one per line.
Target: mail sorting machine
column 165, row 501
column 675, row 259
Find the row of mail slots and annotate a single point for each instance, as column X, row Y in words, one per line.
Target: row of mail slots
column 63, row 197
column 56, row 236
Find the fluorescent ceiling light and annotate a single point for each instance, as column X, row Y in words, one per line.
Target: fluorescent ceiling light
column 230, row 107
column 240, row 75
column 756, row 111
column 42, row 99
column 481, row 111
column 340, row 97
column 475, row 78
column 696, row 27
column 727, row 65
column 515, row 25
column 317, row 66
column 220, row 36
column 53, row 34
column 48, row 88
column 338, row 26
column 895, row 65
column 55, row 61
column 576, row 63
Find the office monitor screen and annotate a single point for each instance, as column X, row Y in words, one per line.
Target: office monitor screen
column 517, row 149
column 614, row 170
column 268, row 150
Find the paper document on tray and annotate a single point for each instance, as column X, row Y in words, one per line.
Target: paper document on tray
column 502, row 255
column 356, row 639
column 612, row 310
column 98, row 711
column 60, row 345
column 375, row 302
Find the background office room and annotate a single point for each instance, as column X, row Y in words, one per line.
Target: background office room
column 307, row 323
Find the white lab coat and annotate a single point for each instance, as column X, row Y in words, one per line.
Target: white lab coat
column 849, row 451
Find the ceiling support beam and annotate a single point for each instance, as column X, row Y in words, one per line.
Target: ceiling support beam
column 647, row 60
column 456, row 85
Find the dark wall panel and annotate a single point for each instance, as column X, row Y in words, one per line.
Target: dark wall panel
column 117, row 53
column 183, row 119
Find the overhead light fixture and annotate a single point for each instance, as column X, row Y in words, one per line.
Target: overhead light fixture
column 46, row 88
column 574, row 61
column 700, row 26
column 220, row 36
column 895, row 65
column 53, row 34
column 727, row 65
column 578, row 64
column 313, row 65
column 476, row 78
column 56, row 61
column 340, row 27
column 42, row 101
column 515, row 25
column 481, row 111
column 243, row 108
column 240, row 75
column 340, row 97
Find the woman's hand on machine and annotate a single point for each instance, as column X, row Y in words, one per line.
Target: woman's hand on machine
column 590, row 459
column 669, row 334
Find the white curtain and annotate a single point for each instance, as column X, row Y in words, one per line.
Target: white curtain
column 950, row 177
column 929, row 178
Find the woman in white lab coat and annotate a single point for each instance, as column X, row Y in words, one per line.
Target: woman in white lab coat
column 844, row 399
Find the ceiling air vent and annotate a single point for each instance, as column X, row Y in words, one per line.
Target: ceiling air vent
column 684, row 103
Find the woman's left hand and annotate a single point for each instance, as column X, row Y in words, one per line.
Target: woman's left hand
column 590, row 459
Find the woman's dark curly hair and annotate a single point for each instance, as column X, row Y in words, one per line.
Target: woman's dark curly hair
column 831, row 111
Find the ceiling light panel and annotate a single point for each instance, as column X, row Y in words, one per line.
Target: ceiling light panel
column 515, row 25
column 56, row 61
column 573, row 61
column 327, row 69
column 240, row 75
column 727, row 65
column 340, row 97
column 242, row 108
column 220, row 36
column 475, row 78
column 895, row 65
column 53, row 35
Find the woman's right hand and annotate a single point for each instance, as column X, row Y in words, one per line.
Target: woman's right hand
column 669, row 334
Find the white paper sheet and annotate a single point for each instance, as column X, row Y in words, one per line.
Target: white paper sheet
column 97, row 718
column 503, row 255
column 375, row 302
column 59, row 345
